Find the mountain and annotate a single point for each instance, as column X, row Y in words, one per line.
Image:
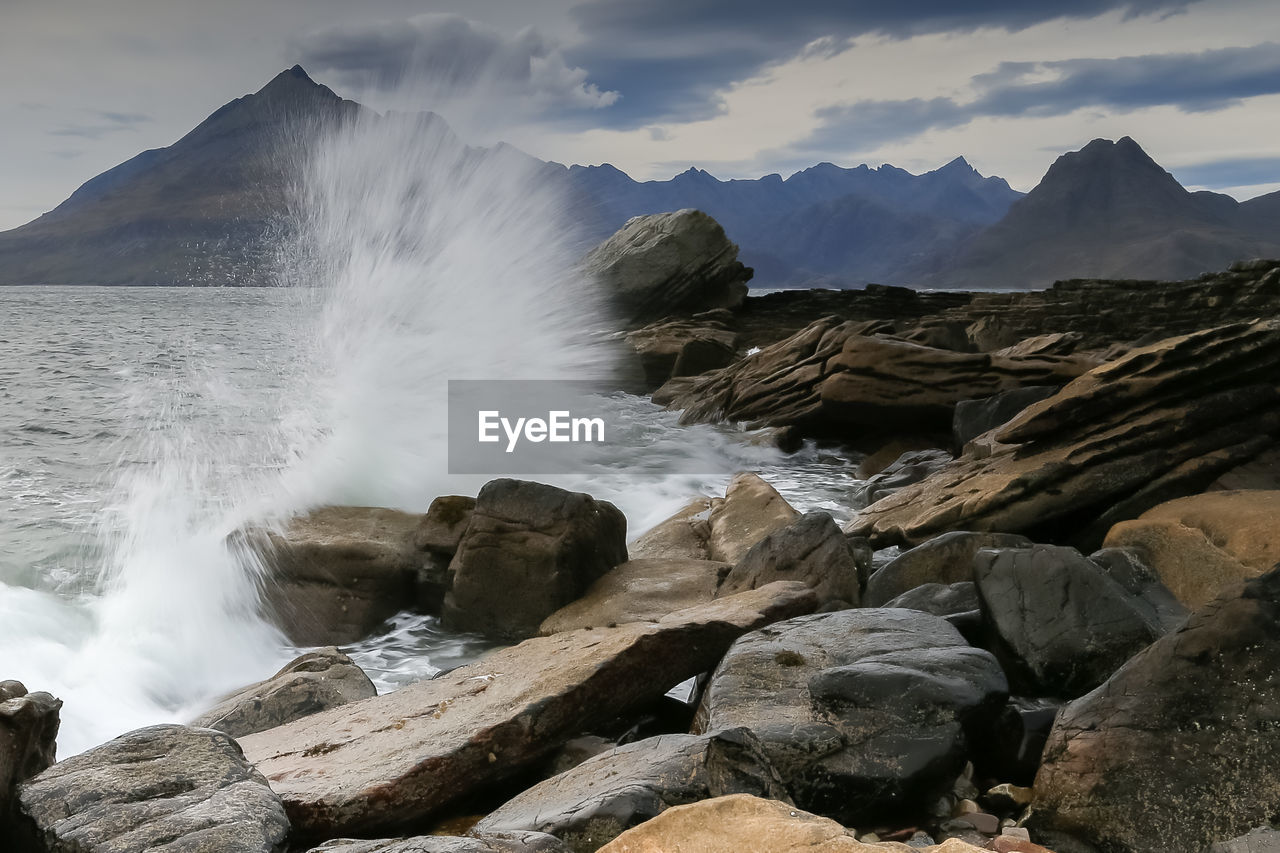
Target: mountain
column 1110, row 211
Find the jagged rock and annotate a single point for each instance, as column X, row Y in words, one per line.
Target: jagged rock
column 827, row 380
column 939, row 599
column 28, row 741
column 338, row 572
column 1178, row 749
column 437, row 539
column 404, row 756
column 542, row 543
column 1063, row 625
column 974, row 417
column 811, row 550
column 945, row 559
column 1201, row 544
column 861, row 711
column 1053, row 343
column 740, row 823
column 1156, row 424
column 910, row 467
column 667, row 264
column 642, row 590
column 589, row 806
column 159, row 788
column 505, row 842
column 751, row 510
column 674, row 348
column 315, row 681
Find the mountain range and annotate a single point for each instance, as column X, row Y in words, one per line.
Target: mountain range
column 210, row 208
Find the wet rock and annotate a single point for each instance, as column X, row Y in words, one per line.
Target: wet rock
column 1178, row 749
column 1064, row 625
column 674, row 348
column 974, row 417
column 910, row 467
column 668, row 264
column 861, row 711
column 1264, row 839
column 939, row 599
column 28, row 741
column 945, row 559
column 811, row 550
column 163, row 787
column 1010, row 747
column 1161, row 422
column 437, row 538
column 545, row 543
column 593, row 803
column 741, row 822
column 1201, row 544
column 380, row 763
column 313, row 682
column 642, row 590
column 506, row 842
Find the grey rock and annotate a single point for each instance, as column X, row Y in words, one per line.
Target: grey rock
column 596, row 801
column 163, row 788
column 811, row 550
column 861, row 711
column 528, row 550
column 945, row 559
column 939, row 599
column 437, row 539
column 28, row 741
column 505, row 842
column 315, row 681
column 909, row 468
column 1264, row 839
column 974, row 417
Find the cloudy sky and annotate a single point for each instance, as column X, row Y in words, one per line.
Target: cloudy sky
column 741, row 88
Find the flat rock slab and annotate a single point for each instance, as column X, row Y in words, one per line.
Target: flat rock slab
column 382, row 763
column 642, row 590
column 170, row 789
column 499, row 842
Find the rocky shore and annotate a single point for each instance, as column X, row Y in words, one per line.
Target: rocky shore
column 1052, row 622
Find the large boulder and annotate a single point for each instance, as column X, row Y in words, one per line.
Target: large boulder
column 812, row 550
column 1161, row 422
column 336, row 573
column 668, row 264
column 642, row 590
column 313, row 682
column 1063, row 625
column 1201, row 544
column 28, row 741
column 505, row 842
column 684, row 347
column 1178, row 749
column 829, row 381
column 945, row 559
column 528, row 550
column 437, row 538
column 862, row 712
column 591, row 804
column 384, row 762
column 741, row 823
column 166, row 787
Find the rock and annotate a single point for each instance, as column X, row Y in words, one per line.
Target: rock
column 1012, row 744
column 945, row 559
column 1264, row 839
column 437, row 538
column 861, row 711
column 674, row 348
column 315, row 681
column 1006, row 798
column 507, row 842
column 939, row 599
column 1201, row 544
column 1064, row 626
column 975, row 417
column 811, row 550
column 589, row 806
column 1161, row 422
column 28, row 741
column 163, row 787
column 1054, row 343
column 387, row 761
column 576, row 751
column 667, row 264
column 1261, row 472
column 751, row 510
column 684, row 535
column 1178, row 749
column 911, row 467
column 338, row 572
column 642, row 590
column 545, row 542
column 741, row 823
column 829, row 381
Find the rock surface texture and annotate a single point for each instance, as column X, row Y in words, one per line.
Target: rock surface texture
column 945, row 559
column 169, row 788
column 28, row 741
column 811, row 550
column 642, row 590
column 381, row 763
column 1178, row 749
column 506, row 842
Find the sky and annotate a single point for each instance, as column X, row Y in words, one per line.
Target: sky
column 741, row 88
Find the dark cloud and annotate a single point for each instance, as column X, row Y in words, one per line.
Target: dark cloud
column 452, row 54
column 101, row 123
column 1238, row 172
column 1191, row 82
column 668, row 58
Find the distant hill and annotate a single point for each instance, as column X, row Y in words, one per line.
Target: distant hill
column 1110, row 211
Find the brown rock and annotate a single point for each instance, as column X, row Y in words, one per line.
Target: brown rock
column 684, row 535
column 382, row 762
column 811, row 550
column 642, row 590
column 1201, row 544
column 673, row 348
column 751, row 510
